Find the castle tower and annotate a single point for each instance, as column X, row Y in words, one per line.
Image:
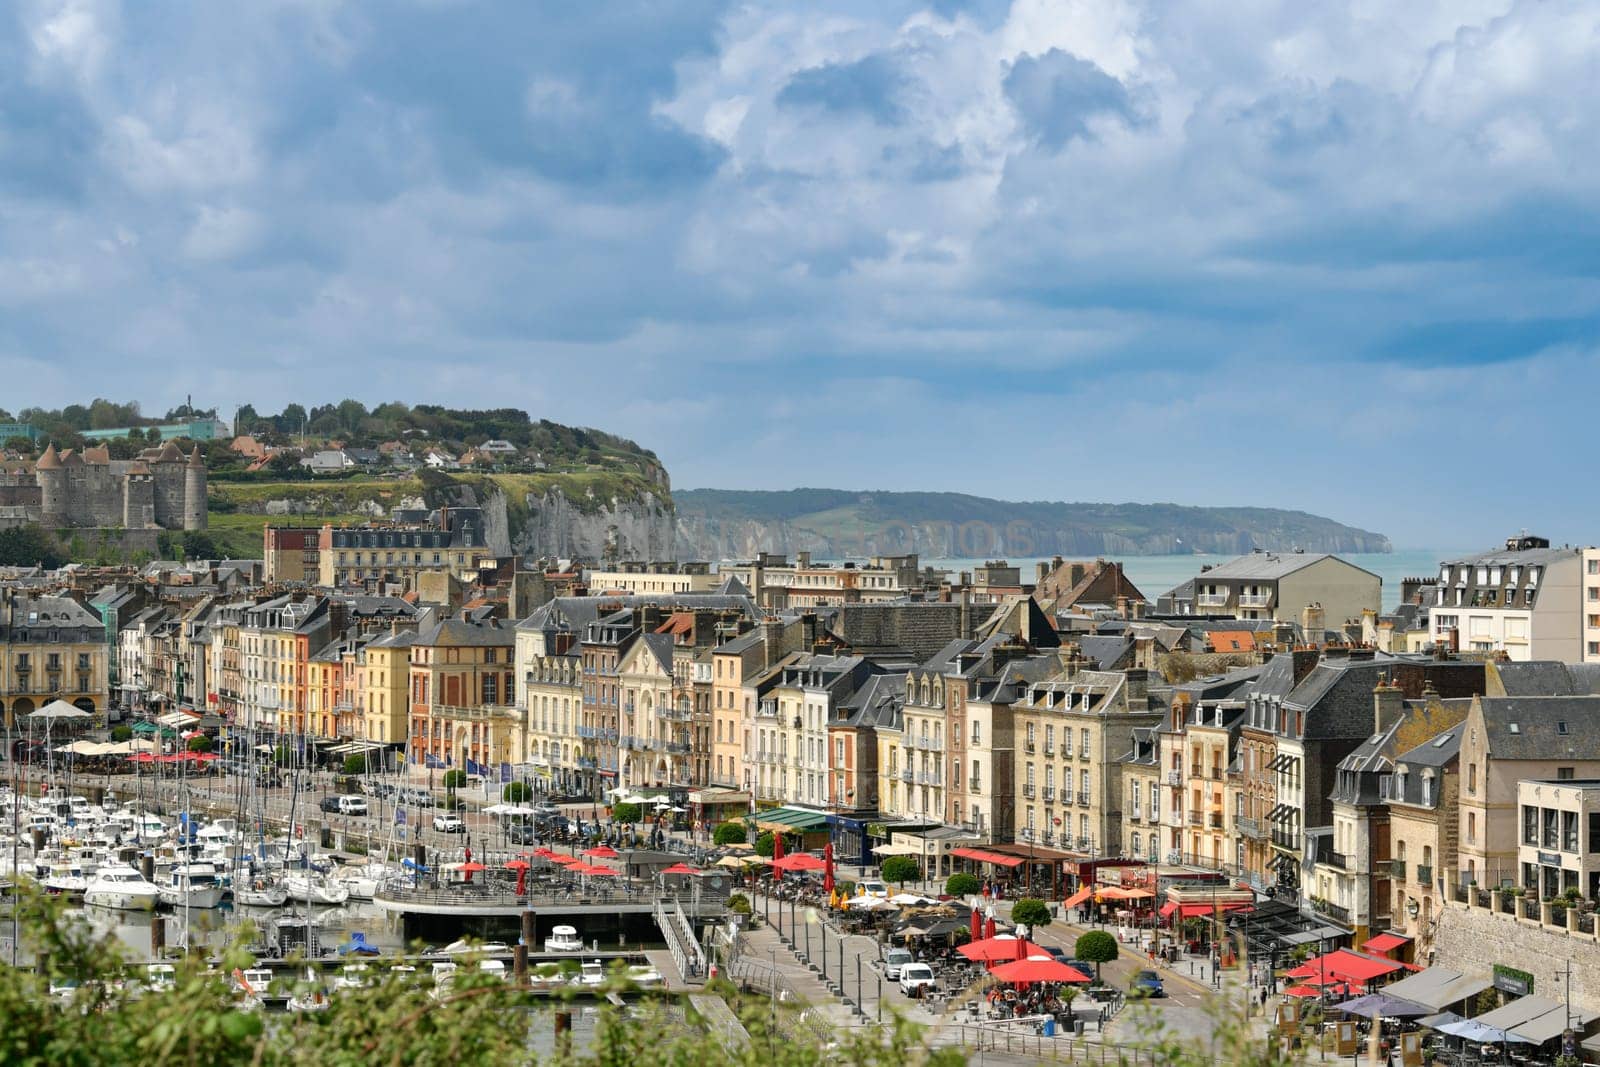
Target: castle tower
column 52, row 487
column 168, row 467
column 139, row 497
column 194, row 492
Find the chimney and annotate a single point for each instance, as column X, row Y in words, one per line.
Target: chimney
column 965, row 615
column 1139, row 607
column 1304, row 660
column 649, row 618
column 771, row 640
column 802, row 559
column 1138, row 688
column 1041, row 572
column 1075, row 573
column 1312, row 623
column 1122, row 607
column 1388, row 703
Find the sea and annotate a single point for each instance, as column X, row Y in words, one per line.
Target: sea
column 1154, row 575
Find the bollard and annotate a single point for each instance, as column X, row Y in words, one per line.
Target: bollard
column 38, row 841
column 563, row 1034
column 530, row 928
column 147, row 867
column 519, row 965
column 158, row 936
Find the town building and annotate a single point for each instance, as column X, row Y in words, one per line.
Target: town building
column 1290, row 587
column 1558, row 844
column 1527, row 602
column 399, row 554
column 51, row 648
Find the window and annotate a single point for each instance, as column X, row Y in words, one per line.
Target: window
column 1472, row 830
column 1134, row 843
column 1530, row 825
column 1569, row 831
column 1550, row 836
column 1472, row 777
column 977, row 732
column 1564, row 774
column 1594, row 831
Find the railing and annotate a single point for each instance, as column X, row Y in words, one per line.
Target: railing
column 1028, row 746
column 929, row 778
column 479, row 712
column 1049, row 794
column 1284, row 839
column 1196, row 818
column 1396, row 869
column 1255, row 600
column 974, row 786
column 677, row 748
column 1211, row 600
column 1331, row 910
column 922, row 743
column 1214, row 820
column 673, row 714
column 679, row 935
column 1049, row 749
column 908, row 775
column 1174, row 777
column 1424, row 874
column 1084, row 754
column 1083, row 797
column 1027, row 792
column 1249, row 827
column 1338, row 860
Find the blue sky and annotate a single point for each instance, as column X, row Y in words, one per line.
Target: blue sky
column 1339, row 257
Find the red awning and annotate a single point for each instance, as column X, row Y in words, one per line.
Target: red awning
column 985, row 856
column 1351, row 966
column 1385, row 942
column 1167, row 909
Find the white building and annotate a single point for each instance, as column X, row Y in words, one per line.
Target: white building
column 1529, row 601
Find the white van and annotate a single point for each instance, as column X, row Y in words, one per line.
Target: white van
column 352, row 805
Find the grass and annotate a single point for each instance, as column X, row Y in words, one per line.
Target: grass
column 239, row 534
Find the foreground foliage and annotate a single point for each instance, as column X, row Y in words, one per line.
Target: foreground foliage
column 110, row 1017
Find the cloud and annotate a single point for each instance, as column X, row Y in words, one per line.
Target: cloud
column 1314, row 230
column 1058, row 95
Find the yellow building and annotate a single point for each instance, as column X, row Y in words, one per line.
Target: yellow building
column 383, row 674
column 51, row 648
column 461, row 692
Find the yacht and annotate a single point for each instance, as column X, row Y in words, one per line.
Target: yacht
column 497, row 968
column 360, row 882
column 564, row 940
column 309, row 997
column 645, row 976
column 314, row 889
column 65, row 878
column 120, row 886
column 353, row 976
column 456, row 948
column 191, row 885
column 161, row 977
column 444, row 975
column 591, row 975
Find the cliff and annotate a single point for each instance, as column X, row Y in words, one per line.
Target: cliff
column 720, row 524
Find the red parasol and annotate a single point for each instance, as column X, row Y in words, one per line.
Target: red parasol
column 777, row 856
column 977, row 925
column 521, row 867
column 681, row 868
column 799, row 861
column 1027, row 972
column 604, row 872
column 989, row 927
column 1002, row 949
column 469, row 868
column 601, row 852
column 827, row 867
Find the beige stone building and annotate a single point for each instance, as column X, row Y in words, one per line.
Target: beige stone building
column 1422, row 796
column 51, row 648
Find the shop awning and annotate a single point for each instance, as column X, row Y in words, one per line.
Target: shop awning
column 985, row 856
column 1196, row 911
column 896, row 848
column 1438, row 987
column 1548, row 1027
column 787, row 820
column 718, row 796
column 1522, row 1012
column 1385, row 942
column 1353, row 966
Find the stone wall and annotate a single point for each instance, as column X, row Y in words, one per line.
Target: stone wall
column 1475, row 939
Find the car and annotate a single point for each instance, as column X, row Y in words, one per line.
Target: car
column 1147, row 984
column 894, row 961
column 374, row 787
column 449, row 824
column 329, row 804
column 871, row 888
column 352, row 805
column 521, row 833
column 916, row 979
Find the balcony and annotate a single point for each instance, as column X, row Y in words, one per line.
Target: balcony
column 1337, row 860
column 1083, row 797
column 674, row 714
column 1331, row 910
column 908, row 775
column 975, row 787
column 1255, row 600
column 1424, row 874
column 1049, row 749
column 1214, row 820
column 1028, row 746
column 1196, row 819
column 677, row 748
column 1211, row 600
column 476, row 713
column 1049, row 794
column 1283, row 839
column 1175, row 778
column 929, row 778
column 1027, row 792
column 1250, row 828
column 1397, row 870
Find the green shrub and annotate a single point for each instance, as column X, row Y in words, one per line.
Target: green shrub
column 515, row 792
column 355, row 764
column 900, row 870
column 455, row 778
column 1095, row 947
column 728, row 833
column 962, row 884
column 764, row 844
column 627, row 814
column 200, row 744
column 1032, row 911
column 739, row 904
column 122, row 733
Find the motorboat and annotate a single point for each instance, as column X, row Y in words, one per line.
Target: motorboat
column 250, row 986
column 456, row 948
column 161, row 977
column 353, row 976
column 65, row 878
column 591, row 975
column 496, row 968
column 191, row 885
column 360, row 882
column 564, row 940
column 444, row 975
column 315, row 889
column 645, row 976
column 120, row 886
column 309, row 997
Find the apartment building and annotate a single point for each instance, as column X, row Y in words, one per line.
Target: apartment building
column 779, row 585
column 51, row 648
column 461, row 690
column 1558, row 844
column 638, row 577
column 399, row 554
column 1526, row 602
column 1422, row 796
column 1283, row 585
column 291, row 553
column 383, row 678
column 796, row 701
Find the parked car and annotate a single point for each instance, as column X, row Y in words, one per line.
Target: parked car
column 377, row 787
column 352, row 805
column 329, row 804
column 1147, row 984
column 916, row 979
column 872, row 888
column 449, row 824
column 521, row 833
column 894, row 961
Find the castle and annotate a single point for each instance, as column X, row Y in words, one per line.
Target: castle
column 160, row 489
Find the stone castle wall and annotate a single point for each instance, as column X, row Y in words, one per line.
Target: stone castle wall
column 1475, row 939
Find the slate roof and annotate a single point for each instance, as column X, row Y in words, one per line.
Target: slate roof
column 878, row 704
column 1542, row 728
column 1269, row 566
column 659, row 645
column 455, row 632
column 1104, row 650
column 1436, row 752
column 576, row 612
column 1548, row 678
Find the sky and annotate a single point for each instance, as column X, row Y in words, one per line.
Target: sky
column 1338, row 257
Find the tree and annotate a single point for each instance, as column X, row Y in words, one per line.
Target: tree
column 515, row 792
column 355, row 763
column 962, row 884
column 900, row 870
column 29, row 546
column 1030, row 910
column 122, row 733
column 627, row 814
column 1094, row 947
column 729, row 833
column 201, row 744
column 20, row 444
column 455, row 778
column 764, row 845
